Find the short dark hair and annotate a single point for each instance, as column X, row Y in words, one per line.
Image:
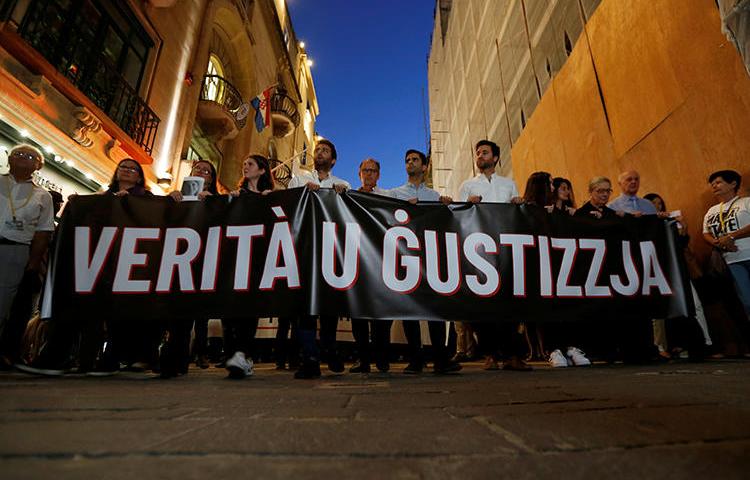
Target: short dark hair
column 422, row 156
column 493, row 146
column 330, row 144
column 369, row 159
column 728, row 176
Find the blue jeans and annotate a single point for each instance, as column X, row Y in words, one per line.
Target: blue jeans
column 741, row 273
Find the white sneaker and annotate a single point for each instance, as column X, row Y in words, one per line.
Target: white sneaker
column 557, row 359
column 239, row 367
column 577, row 357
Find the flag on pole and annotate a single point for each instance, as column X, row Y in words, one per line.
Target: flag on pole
column 262, row 106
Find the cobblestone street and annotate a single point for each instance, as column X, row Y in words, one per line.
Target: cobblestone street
column 668, row 421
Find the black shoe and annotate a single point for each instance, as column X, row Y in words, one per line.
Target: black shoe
column 450, row 366
column 202, row 362
column 413, row 368
column 167, row 364
column 308, row 370
column 360, row 367
column 335, row 364
column 383, row 366
column 105, row 367
column 460, row 357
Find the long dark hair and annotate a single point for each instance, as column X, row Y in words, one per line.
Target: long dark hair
column 265, row 182
column 652, row 196
column 571, row 201
column 114, row 184
column 213, row 187
column 538, row 189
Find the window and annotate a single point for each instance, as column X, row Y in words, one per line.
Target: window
column 214, row 87
column 102, row 49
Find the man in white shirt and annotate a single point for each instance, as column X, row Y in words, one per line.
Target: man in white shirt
column 324, row 157
column 26, row 224
column 488, row 187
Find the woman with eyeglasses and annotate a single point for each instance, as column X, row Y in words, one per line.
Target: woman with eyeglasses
column 207, row 171
column 600, row 189
column 239, row 333
column 128, row 179
column 174, row 356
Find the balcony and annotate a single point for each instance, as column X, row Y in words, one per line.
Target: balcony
column 282, row 173
column 221, row 110
column 284, row 114
column 77, row 65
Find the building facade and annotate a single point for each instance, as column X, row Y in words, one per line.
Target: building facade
column 161, row 81
column 582, row 88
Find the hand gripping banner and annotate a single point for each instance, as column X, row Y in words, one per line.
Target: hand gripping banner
column 357, row 255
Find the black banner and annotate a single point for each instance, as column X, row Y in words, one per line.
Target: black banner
column 357, row 255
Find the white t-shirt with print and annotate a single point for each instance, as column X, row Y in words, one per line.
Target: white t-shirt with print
column 736, row 215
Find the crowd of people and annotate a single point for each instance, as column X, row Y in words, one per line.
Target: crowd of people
column 720, row 288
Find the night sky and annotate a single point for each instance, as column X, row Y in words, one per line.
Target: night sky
column 370, row 73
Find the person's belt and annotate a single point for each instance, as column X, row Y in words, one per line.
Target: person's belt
column 5, row 241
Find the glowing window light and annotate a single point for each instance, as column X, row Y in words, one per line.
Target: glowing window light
column 24, row 133
column 69, row 163
column 49, row 149
column 301, row 44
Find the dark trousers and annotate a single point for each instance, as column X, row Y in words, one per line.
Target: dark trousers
column 306, row 336
column 19, row 316
column 381, row 338
column 413, row 334
column 286, row 349
column 239, row 335
column 200, row 342
column 500, row 339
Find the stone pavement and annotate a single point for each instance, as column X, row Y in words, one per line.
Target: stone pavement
column 676, row 420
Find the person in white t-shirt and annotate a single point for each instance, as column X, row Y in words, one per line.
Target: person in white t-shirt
column 26, row 225
column 726, row 226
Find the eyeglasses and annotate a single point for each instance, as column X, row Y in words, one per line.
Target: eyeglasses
column 128, row 169
column 603, row 190
column 370, row 170
column 203, row 171
column 27, row 156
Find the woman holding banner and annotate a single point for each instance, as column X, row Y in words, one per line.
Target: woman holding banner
column 175, row 351
column 239, row 333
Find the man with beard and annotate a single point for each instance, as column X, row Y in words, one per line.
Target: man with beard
column 487, row 187
column 325, row 158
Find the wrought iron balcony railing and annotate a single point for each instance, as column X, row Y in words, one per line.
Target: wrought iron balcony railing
column 281, row 104
column 218, row 90
column 282, row 173
column 74, row 53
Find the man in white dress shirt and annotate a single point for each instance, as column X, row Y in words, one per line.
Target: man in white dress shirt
column 324, row 157
column 489, row 187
